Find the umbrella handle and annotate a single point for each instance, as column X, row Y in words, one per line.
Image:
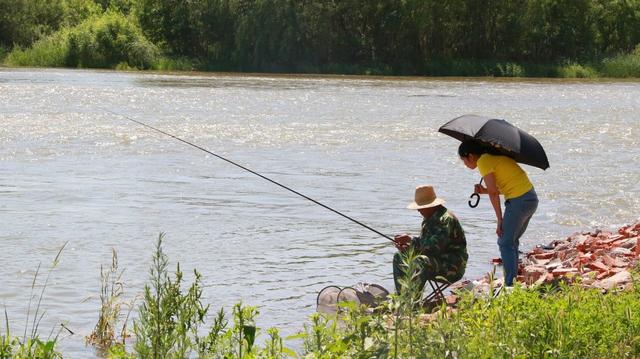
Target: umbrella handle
column 476, row 196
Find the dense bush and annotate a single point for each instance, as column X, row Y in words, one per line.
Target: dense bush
column 622, row 65
column 108, row 41
column 23, row 22
column 105, row 41
column 50, row 51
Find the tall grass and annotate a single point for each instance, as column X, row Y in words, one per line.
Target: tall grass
column 50, row 51
column 31, row 345
column 622, row 66
column 574, row 70
column 170, row 320
column 563, row 322
column 569, row 322
column 164, row 63
column 109, row 330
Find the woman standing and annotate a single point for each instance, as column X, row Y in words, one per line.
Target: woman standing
column 503, row 175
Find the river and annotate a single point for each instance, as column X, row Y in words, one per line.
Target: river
column 73, row 172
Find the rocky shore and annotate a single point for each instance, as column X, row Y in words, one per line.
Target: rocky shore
column 597, row 259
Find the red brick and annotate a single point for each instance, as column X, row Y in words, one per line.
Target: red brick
column 533, row 273
column 597, row 266
column 604, row 275
column 613, row 238
column 547, row 255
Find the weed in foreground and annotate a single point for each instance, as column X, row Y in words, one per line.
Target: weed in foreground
column 105, row 334
column 31, row 345
column 170, row 318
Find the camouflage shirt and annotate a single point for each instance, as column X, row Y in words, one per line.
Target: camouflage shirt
column 442, row 240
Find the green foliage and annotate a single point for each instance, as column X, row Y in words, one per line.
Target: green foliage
column 175, row 64
column 32, row 348
column 169, row 320
column 510, row 38
column 268, row 37
column 622, row 65
column 50, row 51
column 77, row 11
column 119, row 351
column 168, row 317
column 107, row 331
column 564, row 322
column 107, row 41
column 455, row 37
column 3, row 53
column 31, row 345
column 123, row 6
column 577, row 71
column 23, row 22
column 103, row 42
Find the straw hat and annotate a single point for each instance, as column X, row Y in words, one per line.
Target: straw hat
column 425, row 198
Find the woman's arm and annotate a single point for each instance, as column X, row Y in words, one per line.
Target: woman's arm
column 494, row 196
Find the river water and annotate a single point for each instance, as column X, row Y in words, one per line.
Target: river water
column 72, row 172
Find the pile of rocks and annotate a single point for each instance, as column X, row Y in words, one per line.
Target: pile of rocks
column 601, row 259
column 598, row 259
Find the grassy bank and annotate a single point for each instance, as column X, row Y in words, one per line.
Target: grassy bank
column 559, row 321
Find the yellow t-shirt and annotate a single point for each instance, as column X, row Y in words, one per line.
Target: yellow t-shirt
column 511, row 180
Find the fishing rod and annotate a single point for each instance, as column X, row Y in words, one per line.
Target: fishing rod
column 249, row 170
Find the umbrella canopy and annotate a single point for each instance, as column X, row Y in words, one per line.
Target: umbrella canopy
column 506, row 138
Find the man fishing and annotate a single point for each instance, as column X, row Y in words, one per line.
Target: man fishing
column 441, row 244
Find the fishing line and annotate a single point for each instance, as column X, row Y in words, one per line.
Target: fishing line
column 249, row 170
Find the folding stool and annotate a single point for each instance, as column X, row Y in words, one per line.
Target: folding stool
column 437, row 291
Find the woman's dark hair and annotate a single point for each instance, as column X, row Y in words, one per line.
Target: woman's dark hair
column 470, row 146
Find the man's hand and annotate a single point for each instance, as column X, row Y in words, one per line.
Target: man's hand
column 499, row 228
column 402, row 241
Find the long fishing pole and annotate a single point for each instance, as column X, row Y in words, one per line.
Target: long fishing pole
column 249, row 170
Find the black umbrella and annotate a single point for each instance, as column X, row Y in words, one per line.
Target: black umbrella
column 503, row 137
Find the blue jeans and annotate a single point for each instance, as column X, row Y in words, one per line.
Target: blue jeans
column 517, row 213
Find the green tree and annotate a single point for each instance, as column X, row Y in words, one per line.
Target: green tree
column 268, row 36
column 22, row 22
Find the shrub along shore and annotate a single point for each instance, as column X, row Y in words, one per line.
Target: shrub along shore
column 505, row 38
column 566, row 314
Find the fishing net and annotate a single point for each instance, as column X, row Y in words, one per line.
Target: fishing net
column 367, row 294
